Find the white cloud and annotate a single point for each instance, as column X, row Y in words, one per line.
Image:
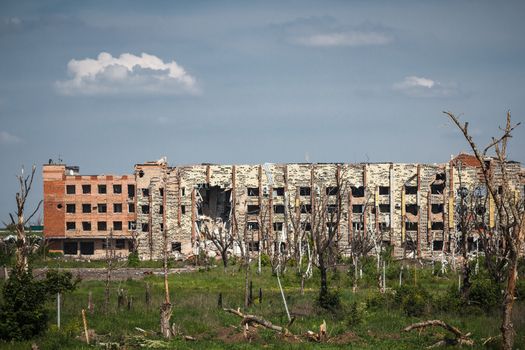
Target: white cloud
column 351, row 38
column 425, row 87
column 127, row 74
column 6, row 138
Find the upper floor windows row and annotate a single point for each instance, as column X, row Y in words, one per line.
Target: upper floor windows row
column 101, row 189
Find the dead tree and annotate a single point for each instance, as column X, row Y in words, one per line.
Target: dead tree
column 216, row 231
column 460, row 338
column 22, row 245
column 166, row 307
column 509, row 209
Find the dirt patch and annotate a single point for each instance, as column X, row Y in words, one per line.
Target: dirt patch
column 345, row 338
column 231, row 335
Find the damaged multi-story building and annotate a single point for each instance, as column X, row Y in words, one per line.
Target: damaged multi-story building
column 413, row 208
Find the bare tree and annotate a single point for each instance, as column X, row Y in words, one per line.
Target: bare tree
column 22, row 247
column 510, row 213
column 218, row 232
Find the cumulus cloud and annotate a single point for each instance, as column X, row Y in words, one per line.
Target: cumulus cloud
column 350, row 38
column 126, row 74
column 425, row 87
column 7, row 138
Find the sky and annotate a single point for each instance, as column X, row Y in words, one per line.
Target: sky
column 108, row 84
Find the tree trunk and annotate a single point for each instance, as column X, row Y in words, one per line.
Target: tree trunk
column 165, row 315
column 507, row 328
column 323, row 292
column 224, row 256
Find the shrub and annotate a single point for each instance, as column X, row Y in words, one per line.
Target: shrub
column 520, row 290
column 355, row 315
column 133, row 259
column 330, row 300
column 413, row 300
column 485, row 294
column 265, row 260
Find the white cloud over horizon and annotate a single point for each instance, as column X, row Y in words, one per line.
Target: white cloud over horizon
column 349, row 38
column 126, row 74
column 7, row 138
column 415, row 86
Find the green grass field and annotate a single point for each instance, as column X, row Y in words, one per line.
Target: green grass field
column 195, row 313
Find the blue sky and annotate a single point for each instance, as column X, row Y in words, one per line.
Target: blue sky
column 105, row 85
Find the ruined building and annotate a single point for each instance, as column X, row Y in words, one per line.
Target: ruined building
column 414, row 208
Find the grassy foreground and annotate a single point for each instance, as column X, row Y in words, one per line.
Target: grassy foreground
column 365, row 319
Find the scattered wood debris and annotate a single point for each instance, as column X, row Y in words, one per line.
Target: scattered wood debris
column 461, row 339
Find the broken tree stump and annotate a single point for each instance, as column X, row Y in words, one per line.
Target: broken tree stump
column 219, row 301
column 461, row 339
column 260, row 295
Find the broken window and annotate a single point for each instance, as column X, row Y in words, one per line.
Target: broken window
column 357, row 208
column 436, row 208
column 411, row 208
column 278, row 209
column 214, row 202
column 437, row 188
column 86, row 226
column 86, row 189
column 332, row 191
column 386, row 243
column 278, row 226
column 331, row 208
column 441, row 176
column 102, row 189
column 253, row 209
column 70, row 189
column 253, row 191
column 278, row 191
column 384, row 226
column 161, row 227
column 306, row 226
column 86, row 208
column 183, row 209
column 161, row 209
column 183, row 191
column 131, row 191
column 161, row 192
column 70, row 248
column 145, row 227
column 120, row 244
column 176, row 247
column 331, row 226
column 102, row 226
column 131, row 207
column 117, row 225
column 438, row 225
column 145, row 192
column 87, row 248
column 411, row 226
column 358, row 191
column 132, row 225
column 306, row 208
column 410, row 189
column 145, row 209
column 304, row 191
column 117, row 189
column 70, row 226
column 253, row 246
column 252, row 225
column 102, row 208
column 357, row 226
column 279, row 247
column 384, row 190
column 437, row 245
column 384, row 208
column 117, row 207
column 70, row 208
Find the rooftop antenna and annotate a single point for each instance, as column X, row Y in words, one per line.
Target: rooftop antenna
column 59, row 158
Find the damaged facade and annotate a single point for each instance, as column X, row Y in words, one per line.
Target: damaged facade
column 411, row 207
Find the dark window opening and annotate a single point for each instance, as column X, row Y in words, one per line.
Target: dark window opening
column 253, row 209
column 441, row 176
column 410, row 189
column 87, row 248
column 253, row 191
column 86, row 208
column 176, row 247
column 437, row 208
column 437, row 188
column 70, row 189
column 131, row 207
column 145, row 192
column 278, row 226
column 279, row 247
column 331, row 227
column 384, row 190
column 253, row 246
column 141, row 173
column 183, row 209
column 161, row 209
column 145, row 227
column 117, row 207
column 306, row 226
column 278, row 209
column 304, row 191
column 331, row 208
column 132, row 225
column 117, row 189
column 357, row 208
column 252, row 225
column 102, row 208
column 386, row 243
column 332, row 191
column 86, row 226
column 438, row 225
column 71, row 226
column 278, row 191
column 384, row 226
column 161, row 192
column 306, row 208
column 102, row 189
column 70, row 208
column 86, row 189
column 411, row 226
column 183, row 191
column 358, row 191
column 145, row 209
column 437, row 245
column 102, row 226
column 480, row 210
column 117, row 225
column 131, row 191
column 161, row 227
column 70, row 248
column 411, row 208
column 120, row 244
column 60, row 206
column 357, row 226
column 384, row 208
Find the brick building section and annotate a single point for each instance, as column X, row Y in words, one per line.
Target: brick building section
column 81, row 212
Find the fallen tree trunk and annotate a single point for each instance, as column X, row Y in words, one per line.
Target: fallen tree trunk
column 461, row 339
column 251, row 319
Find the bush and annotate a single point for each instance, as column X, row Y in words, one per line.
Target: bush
column 133, row 259
column 414, row 301
column 265, row 260
column 520, row 290
column 355, row 315
column 485, row 294
column 330, row 300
